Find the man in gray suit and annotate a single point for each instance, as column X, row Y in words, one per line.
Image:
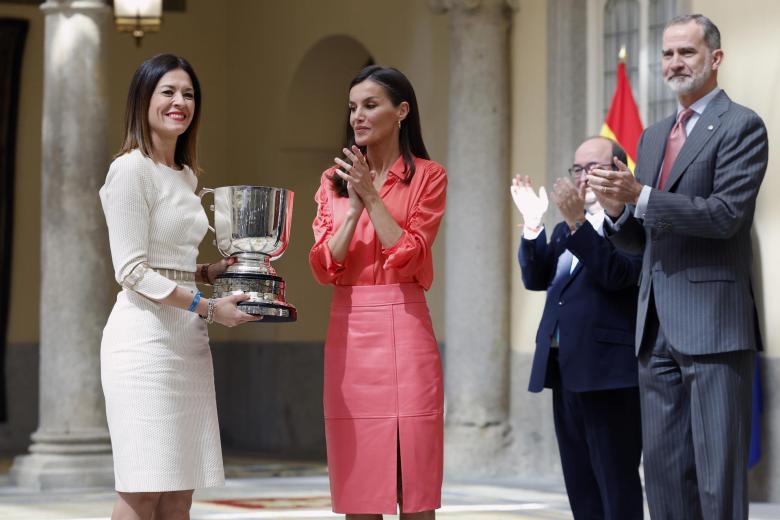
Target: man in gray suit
column 689, row 211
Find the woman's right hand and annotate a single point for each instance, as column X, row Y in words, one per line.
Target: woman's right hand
column 226, row 313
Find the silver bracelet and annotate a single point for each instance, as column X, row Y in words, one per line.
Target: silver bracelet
column 210, row 314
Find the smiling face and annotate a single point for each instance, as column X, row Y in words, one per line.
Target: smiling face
column 689, row 66
column 172, row 105
column 372, row 115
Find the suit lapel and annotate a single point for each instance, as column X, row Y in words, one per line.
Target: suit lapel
column 705, row 128
column 560, row 235
column 559, row 242
column 571, row 276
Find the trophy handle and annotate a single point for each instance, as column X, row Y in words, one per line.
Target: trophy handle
column 201, row 193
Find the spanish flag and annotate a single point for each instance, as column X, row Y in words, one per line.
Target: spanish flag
column 623, row 123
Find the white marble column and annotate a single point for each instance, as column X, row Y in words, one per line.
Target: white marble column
column 71, row 447
column 536, row 453
column 477, row 432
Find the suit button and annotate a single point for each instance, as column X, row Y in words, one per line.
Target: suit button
column 560, row 302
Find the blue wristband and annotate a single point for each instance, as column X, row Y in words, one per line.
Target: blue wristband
column 195, row 301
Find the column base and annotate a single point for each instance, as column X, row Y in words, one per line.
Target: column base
column 478, row 450
column 66, row 460
column 45, row 471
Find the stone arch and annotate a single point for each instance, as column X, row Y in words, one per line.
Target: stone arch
column 312, row 133
column 316, row 98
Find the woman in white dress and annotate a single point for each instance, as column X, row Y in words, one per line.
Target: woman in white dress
column 156, row 366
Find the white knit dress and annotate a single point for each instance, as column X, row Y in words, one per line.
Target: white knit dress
column 156, row 367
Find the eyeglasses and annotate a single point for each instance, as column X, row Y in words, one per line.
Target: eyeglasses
column 577, row 169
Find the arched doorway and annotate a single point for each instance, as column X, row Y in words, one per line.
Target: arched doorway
column 313, row 133
column 269, row 391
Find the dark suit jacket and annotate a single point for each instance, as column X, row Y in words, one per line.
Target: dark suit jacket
column 695, row 236
column 594, row 308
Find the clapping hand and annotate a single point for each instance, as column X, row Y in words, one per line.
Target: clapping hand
column 614, row 188
column 570, row 200
column 359, row 177
column 531, row 206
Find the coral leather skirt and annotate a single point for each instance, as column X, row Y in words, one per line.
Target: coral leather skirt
column 383, row 399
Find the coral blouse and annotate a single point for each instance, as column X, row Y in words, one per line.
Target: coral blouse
column 417, row 207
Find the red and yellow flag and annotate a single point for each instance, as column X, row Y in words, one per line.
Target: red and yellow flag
column 622, row 123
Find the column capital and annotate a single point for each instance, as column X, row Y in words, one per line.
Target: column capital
column 445, row 6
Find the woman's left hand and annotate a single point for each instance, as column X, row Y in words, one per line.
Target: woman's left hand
column 357, row 174
column 217, row 268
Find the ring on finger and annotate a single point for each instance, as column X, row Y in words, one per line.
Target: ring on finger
column 603, row 189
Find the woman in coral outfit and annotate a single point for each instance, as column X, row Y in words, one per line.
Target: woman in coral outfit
column 378, row 214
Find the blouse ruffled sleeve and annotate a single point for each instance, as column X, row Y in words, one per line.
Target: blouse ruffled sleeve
column 127, row 198
column 324, row 267
column 411, row 255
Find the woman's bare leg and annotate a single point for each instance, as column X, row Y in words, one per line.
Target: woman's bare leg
column 174, row 505
column 135, row 506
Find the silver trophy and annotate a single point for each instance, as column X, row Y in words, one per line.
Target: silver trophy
column 253, row 223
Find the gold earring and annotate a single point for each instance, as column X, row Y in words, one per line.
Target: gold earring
column 399, row 124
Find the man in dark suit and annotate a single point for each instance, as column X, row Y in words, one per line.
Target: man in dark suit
column 689, row 212
column 585, row 342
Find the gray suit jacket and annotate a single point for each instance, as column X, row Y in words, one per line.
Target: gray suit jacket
column 695, row 235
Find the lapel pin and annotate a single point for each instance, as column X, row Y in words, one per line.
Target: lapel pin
column 711, row 127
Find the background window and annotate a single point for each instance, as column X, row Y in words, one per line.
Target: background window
column 621, row 28
column 638, row 25
column 660, row 100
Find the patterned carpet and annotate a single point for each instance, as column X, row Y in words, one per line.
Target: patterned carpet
column 274, row 503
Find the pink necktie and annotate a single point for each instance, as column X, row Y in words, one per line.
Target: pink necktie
column 674, row 144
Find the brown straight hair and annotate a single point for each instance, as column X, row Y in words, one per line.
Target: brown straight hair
column 138, row 135
column 398, row 89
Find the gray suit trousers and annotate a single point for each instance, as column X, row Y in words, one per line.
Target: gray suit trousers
column 695, row 429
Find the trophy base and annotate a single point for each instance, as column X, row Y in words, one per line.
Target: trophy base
column 269, row 311
column 266, row 295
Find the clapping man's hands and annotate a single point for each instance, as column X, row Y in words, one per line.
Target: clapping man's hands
column 531, row 206
column 614, row 188
column 570, row 201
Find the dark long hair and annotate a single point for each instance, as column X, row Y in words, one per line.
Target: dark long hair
column 399, row 89
column 137, row 132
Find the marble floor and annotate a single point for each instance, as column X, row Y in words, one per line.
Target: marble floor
column 267, row 489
